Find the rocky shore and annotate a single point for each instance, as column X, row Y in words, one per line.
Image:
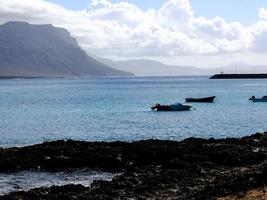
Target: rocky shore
column 152, row 169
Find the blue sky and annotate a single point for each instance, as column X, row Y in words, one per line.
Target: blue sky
column 244, row 11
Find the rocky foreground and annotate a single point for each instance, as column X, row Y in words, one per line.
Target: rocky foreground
column 191, row 169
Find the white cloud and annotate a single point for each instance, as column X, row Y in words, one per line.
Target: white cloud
column 263, row 13
column 176, row 15
column 124, row 30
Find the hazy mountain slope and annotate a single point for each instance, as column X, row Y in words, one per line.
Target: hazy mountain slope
column 45, row 51
column 154, row 68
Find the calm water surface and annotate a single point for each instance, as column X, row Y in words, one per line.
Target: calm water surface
column 109, row 109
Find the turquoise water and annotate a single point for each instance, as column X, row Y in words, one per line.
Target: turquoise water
column 109, row 109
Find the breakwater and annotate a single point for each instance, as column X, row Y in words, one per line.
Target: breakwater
column 239, row 76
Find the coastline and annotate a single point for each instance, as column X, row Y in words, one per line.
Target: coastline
column 27, row 77
column 151, row 169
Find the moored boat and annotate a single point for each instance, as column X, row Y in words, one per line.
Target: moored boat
column 254, row 99
column 201, row 100
column 172, row 107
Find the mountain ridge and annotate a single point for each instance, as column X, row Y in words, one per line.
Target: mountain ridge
column 28, row 50
column 146, row 67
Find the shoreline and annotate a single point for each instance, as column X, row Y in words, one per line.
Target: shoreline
column 28, row 77
column 190, row 169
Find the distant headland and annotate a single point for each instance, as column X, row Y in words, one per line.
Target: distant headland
column 41, row 51
column 239, row 76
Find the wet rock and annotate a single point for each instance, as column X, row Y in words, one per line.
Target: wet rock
column 152, row 169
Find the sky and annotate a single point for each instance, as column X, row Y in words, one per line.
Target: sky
column 202, row 33
column 244, row 11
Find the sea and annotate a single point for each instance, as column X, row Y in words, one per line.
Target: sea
column 111, row 109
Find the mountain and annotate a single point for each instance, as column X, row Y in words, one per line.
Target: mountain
column 143, row 67
column 45, row 51
column 154, row 68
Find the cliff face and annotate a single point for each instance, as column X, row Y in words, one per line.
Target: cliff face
column 45, row 51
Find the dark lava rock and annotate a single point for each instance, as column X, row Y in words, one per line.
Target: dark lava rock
column 152, row 169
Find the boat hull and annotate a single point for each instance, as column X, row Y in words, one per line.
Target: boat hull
column 173, row 108
column 259, row 100
column 201, row 100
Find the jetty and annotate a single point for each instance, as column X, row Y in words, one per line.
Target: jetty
column 239, row 76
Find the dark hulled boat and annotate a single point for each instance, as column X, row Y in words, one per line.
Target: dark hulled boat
column 201, row 100
column 254, row 99
column 173, row 107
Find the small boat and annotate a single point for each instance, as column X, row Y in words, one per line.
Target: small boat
column 173, row 107
column 201, row 100
column 254, row 99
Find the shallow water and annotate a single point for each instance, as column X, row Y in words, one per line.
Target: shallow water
column 109, row 109
column 24, row 181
